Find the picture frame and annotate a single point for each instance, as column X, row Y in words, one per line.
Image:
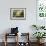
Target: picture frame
column 17, row 13
column 41, row 9
column 40, row 12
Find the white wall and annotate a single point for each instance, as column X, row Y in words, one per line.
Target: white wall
column 24, row 25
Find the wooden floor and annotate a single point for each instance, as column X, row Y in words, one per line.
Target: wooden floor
column 13, row 44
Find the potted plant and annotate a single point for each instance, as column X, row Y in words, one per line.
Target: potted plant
column 39, row 35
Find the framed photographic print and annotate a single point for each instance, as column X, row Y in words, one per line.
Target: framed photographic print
column 41, row 8
column 41, row 12
column 17, row 13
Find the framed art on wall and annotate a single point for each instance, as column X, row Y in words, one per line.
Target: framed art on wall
column 41, row 8
column 41, row 12
column 17, row 13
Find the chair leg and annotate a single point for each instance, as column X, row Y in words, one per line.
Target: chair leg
column 5, row 43
column 5, row 39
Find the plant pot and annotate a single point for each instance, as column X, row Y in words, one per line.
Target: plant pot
column 40, row 41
